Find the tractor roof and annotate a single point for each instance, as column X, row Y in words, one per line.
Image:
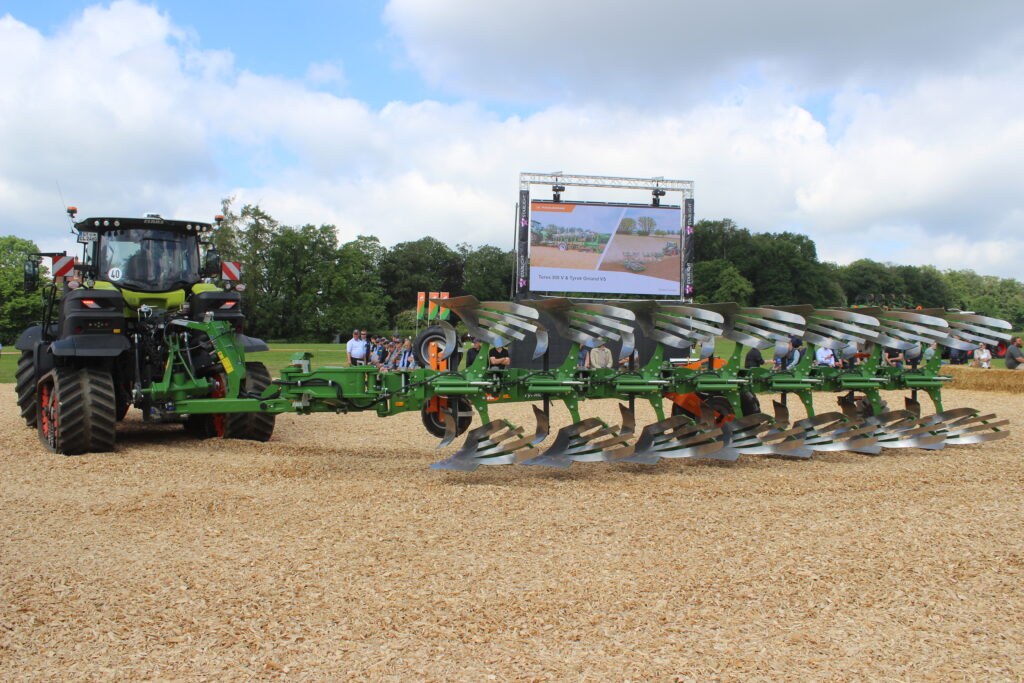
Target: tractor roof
column 105, row 224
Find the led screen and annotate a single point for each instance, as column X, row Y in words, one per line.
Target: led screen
column 605, row 248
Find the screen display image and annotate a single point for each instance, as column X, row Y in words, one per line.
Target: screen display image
column 605, row 248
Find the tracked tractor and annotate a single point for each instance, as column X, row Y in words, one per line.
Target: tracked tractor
column 132, row 325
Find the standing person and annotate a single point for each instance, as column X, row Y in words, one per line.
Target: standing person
column 582, row 357
column 473, row 352
column 983, row 356
column 753, row 359
column 601, row 357
column 356, row 349
column 1014, row 356
column 930, row 352
column 498, row 358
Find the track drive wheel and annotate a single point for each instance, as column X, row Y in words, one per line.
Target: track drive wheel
column 76, row 411
column 25, row 385
column 434, row 423
column 254, row 426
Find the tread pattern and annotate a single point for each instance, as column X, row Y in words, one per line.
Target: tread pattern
column 25, row 386
column 86, row 411
column 254, row 426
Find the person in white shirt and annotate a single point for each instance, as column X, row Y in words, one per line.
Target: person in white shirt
column 356, row 349
column 825, row 356
column 983, row 356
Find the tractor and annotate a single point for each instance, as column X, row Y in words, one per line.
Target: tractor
column 142, row 295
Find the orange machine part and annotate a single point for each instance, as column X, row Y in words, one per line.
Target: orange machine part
column 439, row 364
column 691, row 402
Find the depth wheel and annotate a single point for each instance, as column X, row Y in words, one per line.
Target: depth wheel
column 719, row 404
column 421, row 347
column 435, row 425
column 254, row 426
column 76, row 411
column 25, row 386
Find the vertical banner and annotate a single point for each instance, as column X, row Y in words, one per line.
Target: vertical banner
column 687, row 274
column 431, row 306
column 522, row 277
column 421, row 307
column 445, row 313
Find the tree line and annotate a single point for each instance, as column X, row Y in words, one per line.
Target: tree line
column 303, row 285
column 734, row 264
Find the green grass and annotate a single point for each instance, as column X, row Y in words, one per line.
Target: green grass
column 278, row 357
column 8, row 364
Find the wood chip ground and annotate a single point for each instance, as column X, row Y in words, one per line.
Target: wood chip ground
column 333, row 553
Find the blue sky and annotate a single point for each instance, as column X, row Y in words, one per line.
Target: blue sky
column 882, row 130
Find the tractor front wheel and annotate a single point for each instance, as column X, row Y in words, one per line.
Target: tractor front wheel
column 76, row 411
column 25, row 379
column 257, row 426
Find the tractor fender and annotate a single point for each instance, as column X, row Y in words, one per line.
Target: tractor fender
column 251, row 344
column 29, row 338
column 90, row 345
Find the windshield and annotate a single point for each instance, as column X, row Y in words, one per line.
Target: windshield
column 149, row 260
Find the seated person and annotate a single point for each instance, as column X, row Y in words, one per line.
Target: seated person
column 600, row 357
column 473, row 352
column 497, row 358
column 406, row 358
column 625, row 363
column 796, row 352
column 825, row 357
column 893, row 357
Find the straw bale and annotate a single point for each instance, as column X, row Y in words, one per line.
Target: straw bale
column 331, row 552
column 981, row 379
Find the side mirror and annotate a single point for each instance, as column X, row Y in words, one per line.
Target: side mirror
column 31, row 275
column 211, row 265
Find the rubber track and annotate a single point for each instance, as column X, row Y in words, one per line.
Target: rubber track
column 87, row 410
column 254, row 426
column 25, row 379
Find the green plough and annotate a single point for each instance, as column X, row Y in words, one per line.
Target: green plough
column 715, row 410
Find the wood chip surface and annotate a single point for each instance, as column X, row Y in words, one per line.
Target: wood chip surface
column 333, row 553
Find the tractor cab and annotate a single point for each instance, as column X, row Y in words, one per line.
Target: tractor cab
column 148, row 254
column 152, row 261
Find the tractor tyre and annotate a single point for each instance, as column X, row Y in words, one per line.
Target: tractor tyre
column 25, row 378
column 421, row 348
column 253, row 426
column 200, row 426
column 749, row 403
column 77, row 411
column 435, row 425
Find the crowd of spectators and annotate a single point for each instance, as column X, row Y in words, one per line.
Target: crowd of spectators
column 380, row 352
column 396, row 354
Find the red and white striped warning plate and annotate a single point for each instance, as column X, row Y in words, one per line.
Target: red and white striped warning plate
column 231, row 270
column 62, row 265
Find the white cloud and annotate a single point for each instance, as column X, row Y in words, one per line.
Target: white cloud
column 665, row 50
column 129, row 114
